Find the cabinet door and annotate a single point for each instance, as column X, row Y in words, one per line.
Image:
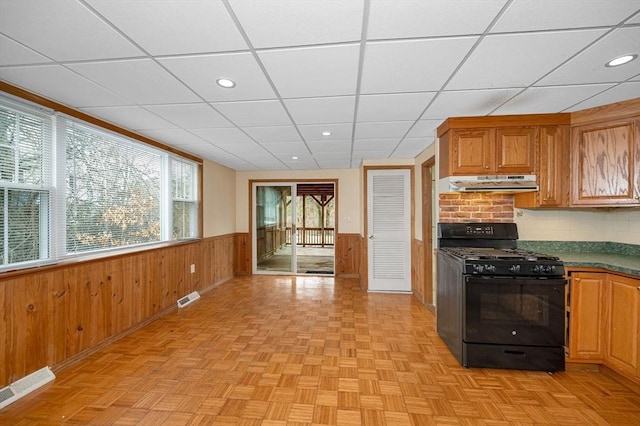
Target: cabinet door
column 604, row 166
column 621, row 351
column 515, row 150
column 553, row 171
column 587, row 319
column 471, row 152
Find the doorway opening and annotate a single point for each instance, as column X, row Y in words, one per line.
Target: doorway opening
column 294, row 228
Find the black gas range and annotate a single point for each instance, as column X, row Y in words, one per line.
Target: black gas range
column 498, row 306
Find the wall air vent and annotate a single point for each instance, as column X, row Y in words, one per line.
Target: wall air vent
column 189, row 298
column 20, row 388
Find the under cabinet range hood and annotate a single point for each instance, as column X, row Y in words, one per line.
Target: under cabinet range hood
column 489, row 183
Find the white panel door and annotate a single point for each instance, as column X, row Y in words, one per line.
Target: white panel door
column 389, row 230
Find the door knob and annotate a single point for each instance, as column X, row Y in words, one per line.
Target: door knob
column 371, row 237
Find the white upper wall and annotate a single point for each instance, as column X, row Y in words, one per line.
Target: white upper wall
column 349, row 189
column 218, row 200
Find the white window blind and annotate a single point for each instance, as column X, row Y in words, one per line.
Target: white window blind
column 184, row 196
column 113, row 191
column 25, row 183
column 70, row 188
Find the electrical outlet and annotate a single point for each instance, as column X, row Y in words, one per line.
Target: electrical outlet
column 193, row 268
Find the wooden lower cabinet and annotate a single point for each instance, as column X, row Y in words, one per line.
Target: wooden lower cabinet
column 587, row 316
column 604, row 322
column 621, row 352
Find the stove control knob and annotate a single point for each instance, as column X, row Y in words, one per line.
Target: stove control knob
column 490, row 268
column 514, row 269
column 478, row 269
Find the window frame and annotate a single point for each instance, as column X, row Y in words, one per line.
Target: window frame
column 53, row 229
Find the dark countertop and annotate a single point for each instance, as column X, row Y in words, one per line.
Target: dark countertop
column 615, row 257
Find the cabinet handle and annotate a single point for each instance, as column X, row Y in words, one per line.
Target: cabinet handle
column 638, row 288
column 545, row 199
column 500, row 166
column 486, row 167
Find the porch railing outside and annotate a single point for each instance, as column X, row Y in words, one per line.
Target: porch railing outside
column 315, row 237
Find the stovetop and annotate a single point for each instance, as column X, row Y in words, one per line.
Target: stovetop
column 492, row 261
column 497, row 254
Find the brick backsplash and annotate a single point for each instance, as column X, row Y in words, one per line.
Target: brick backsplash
column 476, row 207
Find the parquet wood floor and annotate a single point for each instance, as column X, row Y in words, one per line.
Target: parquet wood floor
column 266, row 350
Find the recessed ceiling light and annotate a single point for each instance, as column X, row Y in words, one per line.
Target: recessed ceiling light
column 226, row 83
column 621, row 60
column 294, row 158
column 326, row 133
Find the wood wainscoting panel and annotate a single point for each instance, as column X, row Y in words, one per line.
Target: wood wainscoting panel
column 347, row 255
column 54, row 316
column 417, row 270
column 242, row 257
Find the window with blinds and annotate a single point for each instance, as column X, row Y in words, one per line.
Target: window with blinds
column 113, row 191
column 107, row 191
column 184, row 197
column 25, row 184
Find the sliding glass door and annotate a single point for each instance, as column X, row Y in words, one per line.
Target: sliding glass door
column 293, row 228
column 274, row 228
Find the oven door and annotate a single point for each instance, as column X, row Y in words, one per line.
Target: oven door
column 514, row 311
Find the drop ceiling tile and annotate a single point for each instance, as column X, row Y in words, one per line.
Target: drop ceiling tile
column 588, row 66
column 223, row 136
column 14, row 53
column 201, row 72
column 61, row 84
column 274, row 134
column 325, row 147
column 140, row 80
column 419, row 18
column 333, row 155
column 129, row 117
column 258, row 113
column 621, row 92
column 175, row 137
column 195, row 116
column 343, row 163
column 246, row 151
column 285, row 23
column 337, row 109
column 518, row 60
column 313, row 71
column 468, row 103
column 339, row 131
column 291, row 148
column 405, row 154
column 358, row 155
column 415, row 144
column 301, row 165
column 300, row 157
column 393, row 107
column 537, row 100
column 63, row 30
column 424, row 128
column 535, row 15
column 172, row 27
column 386, row 145
column 412, row 65
column 381, row 130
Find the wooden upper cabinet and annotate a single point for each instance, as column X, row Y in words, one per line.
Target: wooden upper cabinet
column 606, row 163
column 493, row 145
column 472, row 152
column 493, row 151
column 515, row 150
